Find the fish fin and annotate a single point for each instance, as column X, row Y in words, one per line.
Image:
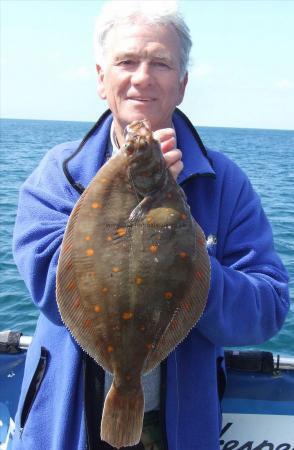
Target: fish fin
column 140, row 211
column 122, row 418
column 152, row 201
column 190, row 309
column 70, row 305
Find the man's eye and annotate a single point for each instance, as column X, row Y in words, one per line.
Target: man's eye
column 127, row 62
column 161, row 64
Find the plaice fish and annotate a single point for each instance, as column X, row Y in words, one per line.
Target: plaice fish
column 133, row 275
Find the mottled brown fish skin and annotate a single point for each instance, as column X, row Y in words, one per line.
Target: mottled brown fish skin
column 133, row 274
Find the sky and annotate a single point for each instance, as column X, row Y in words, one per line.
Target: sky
column 242, row 71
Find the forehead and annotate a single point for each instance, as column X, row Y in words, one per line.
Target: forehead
column 146, row 40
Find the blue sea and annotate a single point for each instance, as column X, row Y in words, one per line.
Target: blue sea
column 267, row 156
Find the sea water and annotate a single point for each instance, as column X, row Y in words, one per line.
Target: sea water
column 267, row 156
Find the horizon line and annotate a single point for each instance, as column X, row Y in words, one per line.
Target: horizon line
column 201, row 126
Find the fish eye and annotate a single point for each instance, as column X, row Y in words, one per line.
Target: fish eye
column 129, row 148
column 142, row 141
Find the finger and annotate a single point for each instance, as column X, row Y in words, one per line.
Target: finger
column 176, row 169
column 172, row 157
column 164, row 134
column 168, row 145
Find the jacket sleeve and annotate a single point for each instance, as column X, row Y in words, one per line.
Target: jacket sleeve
column 45, row 203
column 248, row 298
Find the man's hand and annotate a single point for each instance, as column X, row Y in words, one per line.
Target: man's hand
column 171, row 154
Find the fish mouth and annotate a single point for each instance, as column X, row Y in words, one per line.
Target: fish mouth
column 137, row 134
column 137, row 129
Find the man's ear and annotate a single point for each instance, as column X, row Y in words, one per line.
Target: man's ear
column 183, row 84
column 101, row 88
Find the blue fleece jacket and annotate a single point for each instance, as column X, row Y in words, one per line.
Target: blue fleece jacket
column 247, row 303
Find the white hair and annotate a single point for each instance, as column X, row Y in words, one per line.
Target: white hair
column 166, row 12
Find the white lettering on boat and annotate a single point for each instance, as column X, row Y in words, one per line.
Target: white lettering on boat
column 257, row 432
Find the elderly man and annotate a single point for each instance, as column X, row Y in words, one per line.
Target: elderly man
column 142, row 72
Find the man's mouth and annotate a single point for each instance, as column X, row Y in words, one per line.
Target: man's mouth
column 141, row 99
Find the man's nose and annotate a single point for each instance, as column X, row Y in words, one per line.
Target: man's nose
column 142, row 75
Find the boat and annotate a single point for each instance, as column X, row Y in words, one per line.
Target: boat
column 258, row 404
column 257, row 407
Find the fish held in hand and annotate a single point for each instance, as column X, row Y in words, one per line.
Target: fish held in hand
column 133, row 275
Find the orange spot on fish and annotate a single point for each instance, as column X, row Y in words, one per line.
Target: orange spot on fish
column 168, row 295
column 96, row 205
column 121, row 231
column 71, row 285
column 77, row 303
column 97, row 308
column 149, row 219
column 90, row 252
column 87, row 238
column 104, row 180
column 115, row 269
column 201, row 241
column 174, row 324
column 199, row 275
column 149, row 345
column 88, row 323
column 110, row 348
column 138, row 280
column 104, row 290
column 168, row 195
column 187, row 306
column 184, row 216
column 109, row 238
column 66, row 247
column 153, row 248
column 142, row 327
column 69, row 265
column 127, row 315
column 183, row 255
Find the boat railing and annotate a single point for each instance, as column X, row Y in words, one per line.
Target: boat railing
column 249, row 360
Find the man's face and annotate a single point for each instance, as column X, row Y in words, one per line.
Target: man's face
column 141, row 75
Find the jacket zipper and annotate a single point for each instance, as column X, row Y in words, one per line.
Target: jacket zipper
column 33, row 389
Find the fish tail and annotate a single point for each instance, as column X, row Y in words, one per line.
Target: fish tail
column 122, row 417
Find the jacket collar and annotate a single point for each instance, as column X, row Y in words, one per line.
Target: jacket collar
column 81, row 166
column 195, row 159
